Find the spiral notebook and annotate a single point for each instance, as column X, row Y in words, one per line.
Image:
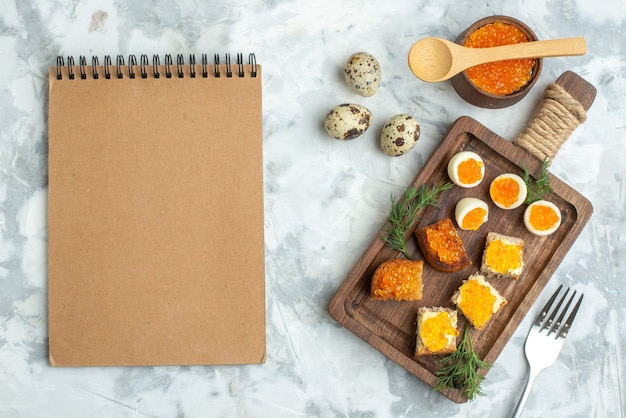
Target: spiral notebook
column 156, row 250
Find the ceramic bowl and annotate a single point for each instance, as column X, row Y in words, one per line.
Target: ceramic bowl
column 474, row 95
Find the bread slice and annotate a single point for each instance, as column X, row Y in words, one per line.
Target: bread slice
column 442, row 246
column 503, row 256
column 436, row 331
column 398, row 279
column 478, row 300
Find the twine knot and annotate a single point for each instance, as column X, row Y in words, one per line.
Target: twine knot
column 557, row 116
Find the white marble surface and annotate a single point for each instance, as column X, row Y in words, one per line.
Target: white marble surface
column 324, row 202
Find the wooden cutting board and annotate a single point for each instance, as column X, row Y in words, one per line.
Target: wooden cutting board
column 390, row 326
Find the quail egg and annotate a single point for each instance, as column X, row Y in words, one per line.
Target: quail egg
column 508, row 191
column 542, row 218
column 399, row 135
column 362, row 73
column 471, row 213
column 347, row 121
column 466, row 169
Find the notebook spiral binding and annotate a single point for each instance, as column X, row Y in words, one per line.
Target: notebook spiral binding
column 143, row 69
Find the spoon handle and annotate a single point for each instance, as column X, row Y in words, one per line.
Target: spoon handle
column 534, row 49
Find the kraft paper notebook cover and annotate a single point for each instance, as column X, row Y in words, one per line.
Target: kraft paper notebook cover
column 156, row 251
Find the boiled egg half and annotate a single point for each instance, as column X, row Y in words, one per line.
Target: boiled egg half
column 542, row 218
column 471, row 213
column 466, row 169
column 508, row 191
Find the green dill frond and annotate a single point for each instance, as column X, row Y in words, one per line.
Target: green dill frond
column 540, row 188
column 405, row 213
column 460, row 370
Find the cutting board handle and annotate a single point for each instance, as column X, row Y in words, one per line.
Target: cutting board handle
column 563, row 107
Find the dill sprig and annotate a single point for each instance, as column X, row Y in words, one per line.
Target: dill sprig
column 404, row 213
column 460, row 369
column 539, row 188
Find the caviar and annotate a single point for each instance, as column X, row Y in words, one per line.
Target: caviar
column 505, row 191
column 474, row 219
column 476, row 302
column 542, row 217
column 502, row 257
column 400, row 279
column 435, row 332
column 500, row 77
column 470, row 171
column 445, row 242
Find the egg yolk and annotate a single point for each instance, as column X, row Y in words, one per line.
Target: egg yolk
column 435, row 331
column 500, row 77
column 470, row 171
column 473, row 219
column 503, row 257
column 476, row 302
column 505, row 191
column 542, row 217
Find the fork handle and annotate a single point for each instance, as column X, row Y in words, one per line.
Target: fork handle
column 532, row 375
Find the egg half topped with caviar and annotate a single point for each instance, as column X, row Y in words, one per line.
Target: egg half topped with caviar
column 466, row 169
column 508, row 191
column 542, row 218
column 471, row 213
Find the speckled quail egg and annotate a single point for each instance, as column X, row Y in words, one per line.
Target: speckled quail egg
column 466, row 169
column 399, row 135
column 508, row 191
column 347, row 121
column 362, row 73
column 542, row 218
column 470, row 213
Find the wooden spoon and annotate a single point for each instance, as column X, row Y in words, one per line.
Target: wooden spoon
column 435, row 59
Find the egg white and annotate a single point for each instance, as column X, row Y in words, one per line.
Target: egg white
column 465, row 206
column 538, row 232
column 520, row 197
column 453, row 167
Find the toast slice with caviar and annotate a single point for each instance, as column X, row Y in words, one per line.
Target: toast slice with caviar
column 478, row 300
column 503, row 256
column 442, row 246
column 398, row 279
column 436, row 331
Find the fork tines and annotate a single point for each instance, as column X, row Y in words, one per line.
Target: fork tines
column 555, row 326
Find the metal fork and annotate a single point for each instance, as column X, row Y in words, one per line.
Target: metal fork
column 545, row 340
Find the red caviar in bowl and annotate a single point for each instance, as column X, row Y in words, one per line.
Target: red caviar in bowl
column 500, row 77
